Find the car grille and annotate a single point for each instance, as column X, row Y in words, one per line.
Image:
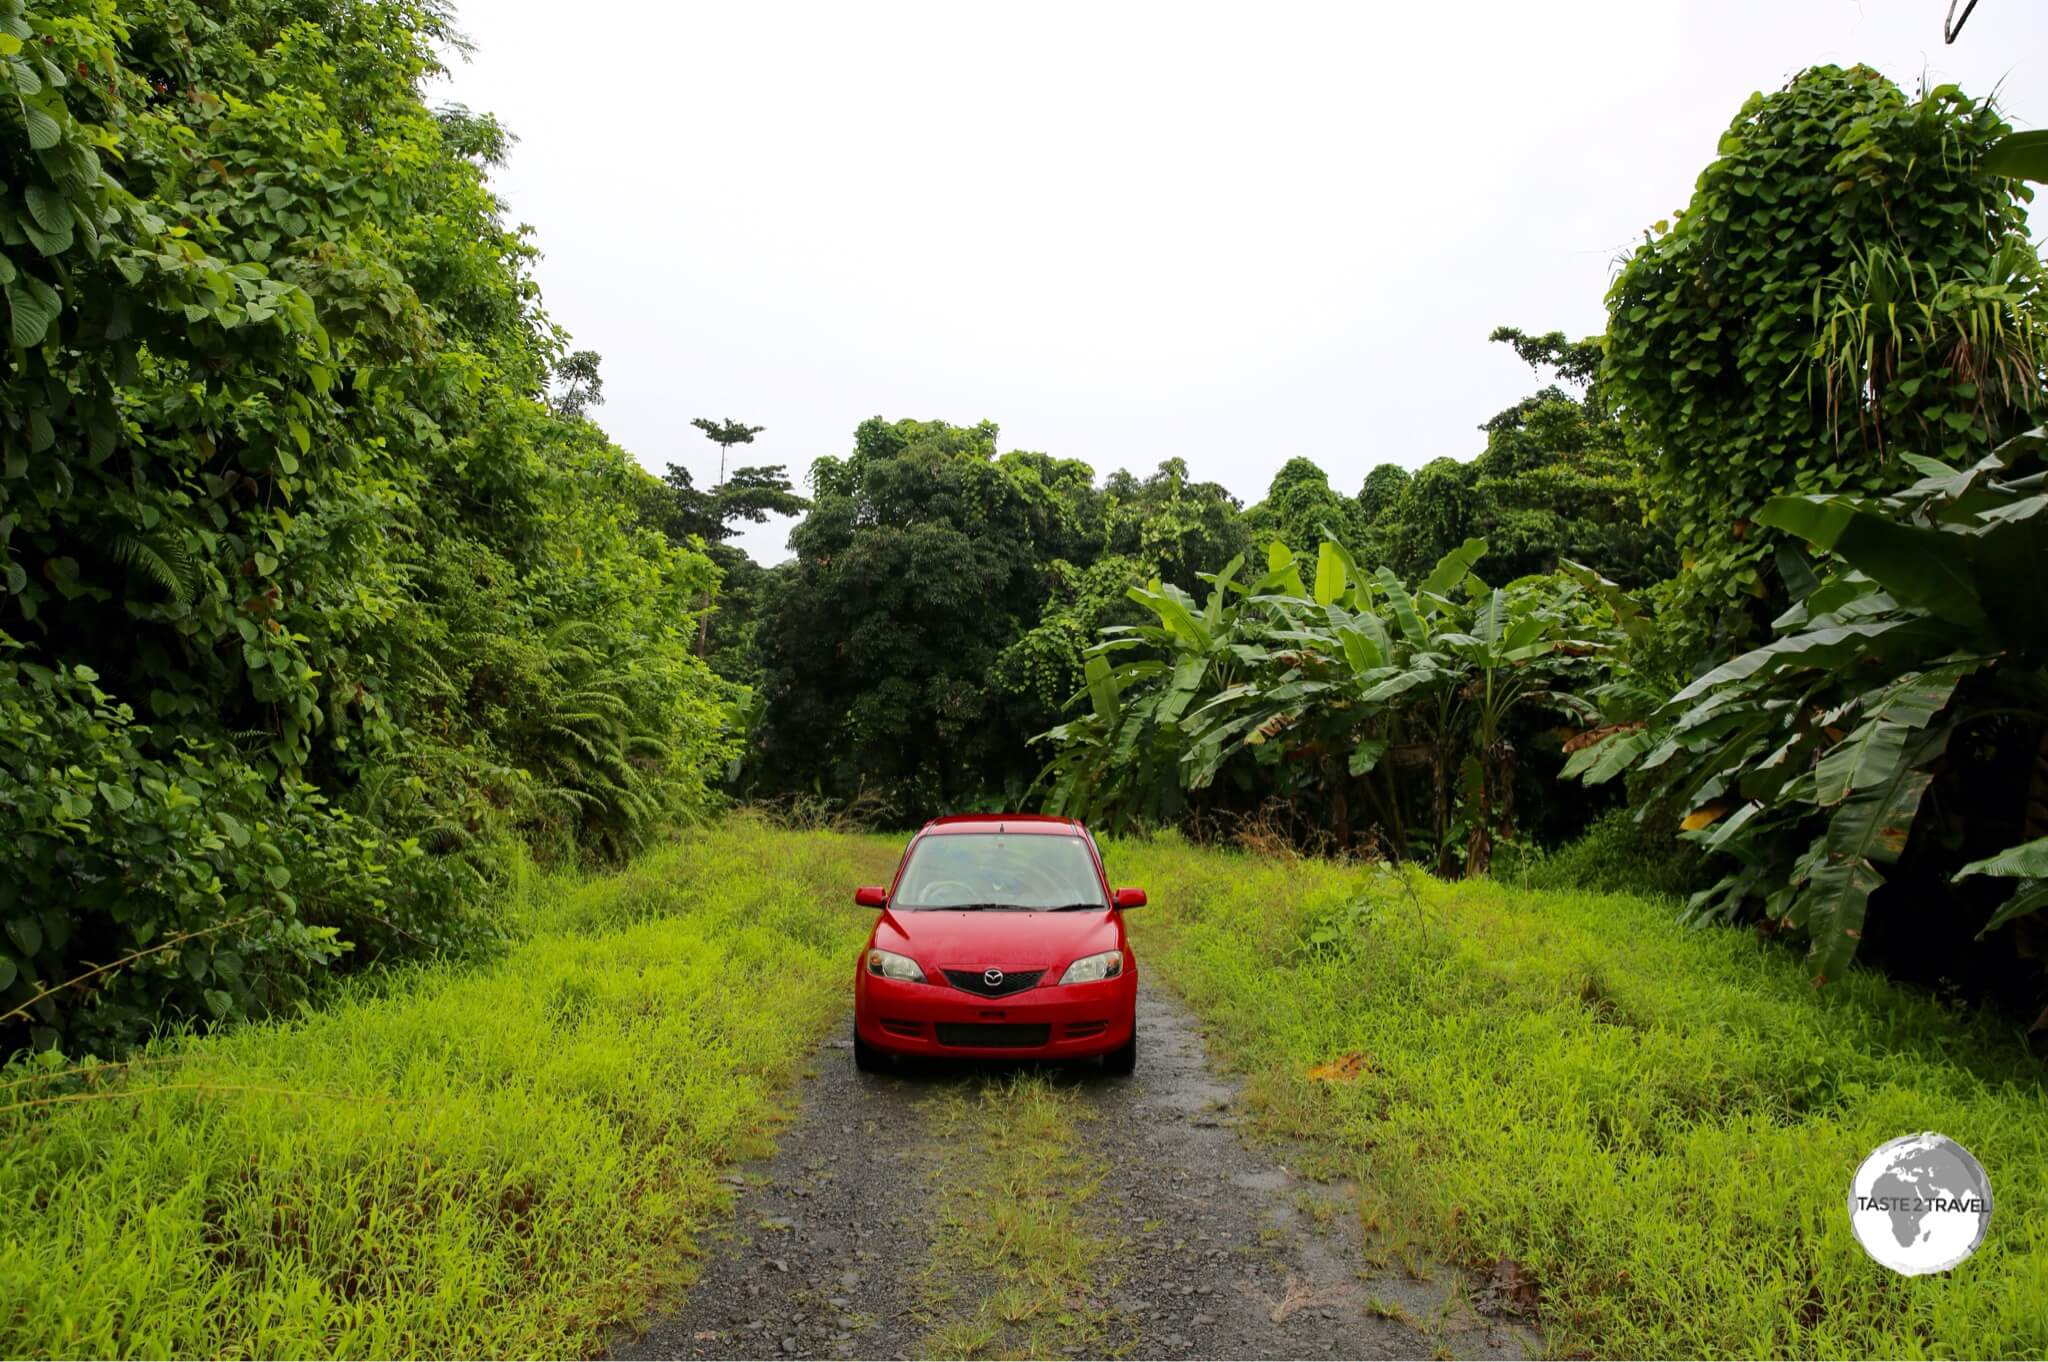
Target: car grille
column 993, row 1034
column 972, row 981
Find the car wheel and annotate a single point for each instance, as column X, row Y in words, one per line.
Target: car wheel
column 867, row 1058
column 1123, row 1059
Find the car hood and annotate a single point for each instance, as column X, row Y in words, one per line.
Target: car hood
column 938, row 939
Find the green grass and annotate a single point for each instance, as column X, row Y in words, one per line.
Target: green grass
column 472, row 1162
column 1659, row 1124
column 1018, row 1266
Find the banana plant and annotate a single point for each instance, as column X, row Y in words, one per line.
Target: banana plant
column 1333, row 694
column 1807, row 761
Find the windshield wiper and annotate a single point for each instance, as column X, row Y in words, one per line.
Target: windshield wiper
column 986, row 908
column 1075, row 908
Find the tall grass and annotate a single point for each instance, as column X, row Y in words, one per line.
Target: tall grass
column 472, row 1162
column 1659, row 1124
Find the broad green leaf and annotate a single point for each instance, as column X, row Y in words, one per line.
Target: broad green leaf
column 2030, row 896
column 1524, row 633
column 1188, row 675
column 27, row 935
column 1609, row 759
column 1359, row 586
column 1730, row 827
column 1360, row 651
column 1863, row 759
column 1404, row 607
column 1492, row 620
column 50, row 209
column 1867, row 755
column 1454, row 567
column 1219, row 596
column 2021, row 155
column 1814, row 648
column 1396, row 686
column 1165, row 602
column 2027, row 860
column 1282, row 570
column 43, row 130
column 1366, row 756
column 1919, row 567
column 1330, row 577
column 1101, row 689
column 1628, row 613
column 34, row 305
column 1869, row 829
column 1795, row 570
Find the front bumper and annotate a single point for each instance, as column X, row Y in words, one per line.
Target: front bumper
column 1046, row 1021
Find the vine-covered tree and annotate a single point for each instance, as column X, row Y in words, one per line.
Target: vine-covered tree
column 1847, row 286
column 308, row 600
column 1301, row 508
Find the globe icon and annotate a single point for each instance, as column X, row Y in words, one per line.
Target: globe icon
column 1920, row 1204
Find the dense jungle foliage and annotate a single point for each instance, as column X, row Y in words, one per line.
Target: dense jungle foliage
column 314, row 605
column 326, row 599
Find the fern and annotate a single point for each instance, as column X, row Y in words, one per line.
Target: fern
column 162, row 558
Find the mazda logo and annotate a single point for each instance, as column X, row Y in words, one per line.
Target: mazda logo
column 992, row 976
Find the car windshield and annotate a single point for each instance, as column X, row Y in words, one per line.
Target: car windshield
column 1033, row 872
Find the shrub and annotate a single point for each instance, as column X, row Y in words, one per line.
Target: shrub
column 1615, row 855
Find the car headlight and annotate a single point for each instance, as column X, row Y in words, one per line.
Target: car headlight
column 889, row 965
column 1091, row 969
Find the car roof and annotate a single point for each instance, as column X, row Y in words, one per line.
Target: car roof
column 1036, row 823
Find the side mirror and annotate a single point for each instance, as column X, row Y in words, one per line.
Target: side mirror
column 877, row 896
column 1130, row 898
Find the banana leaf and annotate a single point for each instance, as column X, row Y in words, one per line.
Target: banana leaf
column 1917, row 566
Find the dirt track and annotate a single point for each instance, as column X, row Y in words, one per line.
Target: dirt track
column 1208, row 1246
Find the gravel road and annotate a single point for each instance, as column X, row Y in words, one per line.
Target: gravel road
column 1221, row 1251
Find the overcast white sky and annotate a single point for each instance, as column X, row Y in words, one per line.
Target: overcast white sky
column 1125, row 232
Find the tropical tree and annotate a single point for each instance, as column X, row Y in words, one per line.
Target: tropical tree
column 1558, row 480
column 1850, row 282
column 725, row 434
column 921, row 561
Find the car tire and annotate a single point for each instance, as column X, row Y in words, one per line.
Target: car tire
column 867, row 1058
column 1124, row 1059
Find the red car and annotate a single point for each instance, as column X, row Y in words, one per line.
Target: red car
column 1000, row 939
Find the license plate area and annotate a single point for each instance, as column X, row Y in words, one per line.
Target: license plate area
column 993, row 1035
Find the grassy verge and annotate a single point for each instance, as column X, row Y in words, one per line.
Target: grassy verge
column 1659, row 1125
column 468, row 1162
column 1016, row 1268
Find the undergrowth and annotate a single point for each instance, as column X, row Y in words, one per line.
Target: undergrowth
column 444, row 1161
column 1659, row 1125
